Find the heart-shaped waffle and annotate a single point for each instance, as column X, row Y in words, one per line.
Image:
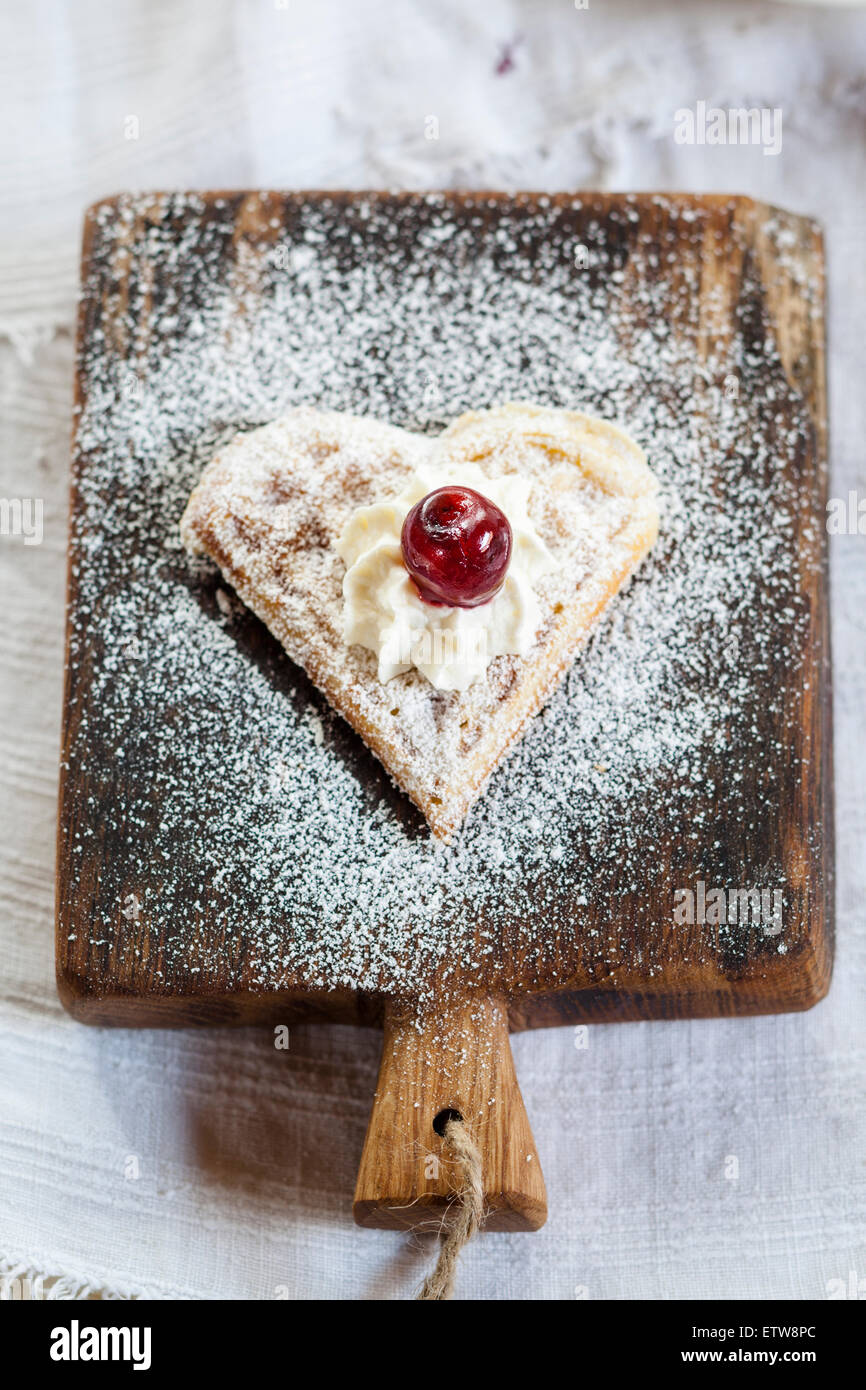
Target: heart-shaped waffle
column 271, row 507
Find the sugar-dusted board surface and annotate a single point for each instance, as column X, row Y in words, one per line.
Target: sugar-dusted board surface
column 228, row 849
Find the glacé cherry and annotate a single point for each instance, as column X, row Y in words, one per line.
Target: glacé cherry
column 456, row 546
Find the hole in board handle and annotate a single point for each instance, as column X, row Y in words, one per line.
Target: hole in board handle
column 441, row 1120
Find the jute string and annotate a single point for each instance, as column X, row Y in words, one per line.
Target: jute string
column 464, row 1216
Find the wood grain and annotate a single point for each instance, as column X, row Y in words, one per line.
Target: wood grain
column 456, row 1058
column 622, row 957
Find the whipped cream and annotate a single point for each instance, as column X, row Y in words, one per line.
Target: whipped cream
column 452, row 647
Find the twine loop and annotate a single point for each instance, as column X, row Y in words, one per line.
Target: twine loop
column 465, row 1214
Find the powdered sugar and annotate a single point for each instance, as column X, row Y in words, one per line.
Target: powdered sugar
column 250, row 821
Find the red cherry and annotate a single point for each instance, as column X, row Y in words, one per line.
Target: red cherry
column 456, row 546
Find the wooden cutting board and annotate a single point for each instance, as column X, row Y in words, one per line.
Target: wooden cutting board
column 229, row 852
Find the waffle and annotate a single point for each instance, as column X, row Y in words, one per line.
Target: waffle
column 269, row 508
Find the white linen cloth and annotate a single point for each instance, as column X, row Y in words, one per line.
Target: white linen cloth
column 205, row 1163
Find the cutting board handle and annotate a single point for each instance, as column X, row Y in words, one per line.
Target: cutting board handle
column 455, row 1057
